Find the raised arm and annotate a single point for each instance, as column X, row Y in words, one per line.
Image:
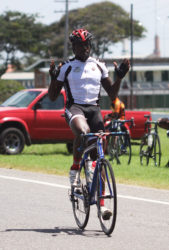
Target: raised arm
column 55, row 85
column 111, row 88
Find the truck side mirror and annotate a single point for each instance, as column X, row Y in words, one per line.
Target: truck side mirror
column 37, row 106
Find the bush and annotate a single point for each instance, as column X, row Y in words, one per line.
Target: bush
column 8, row 88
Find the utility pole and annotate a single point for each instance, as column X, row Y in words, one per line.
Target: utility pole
column 65, row 52
column 131, row 59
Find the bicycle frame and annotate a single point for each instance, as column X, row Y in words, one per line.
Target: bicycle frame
column 151, row 130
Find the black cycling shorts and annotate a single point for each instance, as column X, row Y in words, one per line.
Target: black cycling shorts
column 92, row 114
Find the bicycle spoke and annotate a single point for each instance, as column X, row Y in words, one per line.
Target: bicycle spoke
column 107, row 197
column 144, row 152
column 81, row 208
column 112, row 149
column 156, row 154
column 124, row 151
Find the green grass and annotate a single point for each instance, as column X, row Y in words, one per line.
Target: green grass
column 54, row 159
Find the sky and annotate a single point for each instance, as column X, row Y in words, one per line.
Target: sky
column 152, row 14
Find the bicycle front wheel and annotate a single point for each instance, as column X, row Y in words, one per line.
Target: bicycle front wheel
column 80, row 203
column 112, row 148
column 144, row 151
column 125, row 152
column 106, row 196
column 156, row 150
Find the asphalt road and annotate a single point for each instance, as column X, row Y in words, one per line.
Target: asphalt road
column 35, row 213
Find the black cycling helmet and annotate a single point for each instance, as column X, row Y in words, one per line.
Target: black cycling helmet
column 80, row 35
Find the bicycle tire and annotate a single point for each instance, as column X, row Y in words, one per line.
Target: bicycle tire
column 108, row 198
column 80, row 203
column 112, row 149
column 127, row 152
column 144, row 151
column 156, row 151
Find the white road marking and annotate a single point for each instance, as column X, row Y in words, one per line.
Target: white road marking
column 67, row 187
column 33, row 181
column 143, row 199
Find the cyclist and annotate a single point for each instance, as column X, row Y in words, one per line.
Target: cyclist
column 82, row 77
column 118, row 112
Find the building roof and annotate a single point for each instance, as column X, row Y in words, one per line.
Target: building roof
column 18, row 76
column 145, row 67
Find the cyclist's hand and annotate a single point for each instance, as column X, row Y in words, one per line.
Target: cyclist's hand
column 122, row 70
column 53, row 71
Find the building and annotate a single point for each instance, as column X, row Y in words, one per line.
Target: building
column 26, row 78
column 150, row 81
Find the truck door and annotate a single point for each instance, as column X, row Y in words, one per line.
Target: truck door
column 49, row 120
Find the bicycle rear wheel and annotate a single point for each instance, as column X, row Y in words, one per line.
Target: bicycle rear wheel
column 80, row 203
column 106, row 195
column 144, row 151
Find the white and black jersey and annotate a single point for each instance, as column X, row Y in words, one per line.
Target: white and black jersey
column 82, row 80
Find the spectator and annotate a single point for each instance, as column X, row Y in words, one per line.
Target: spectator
column 118, row 113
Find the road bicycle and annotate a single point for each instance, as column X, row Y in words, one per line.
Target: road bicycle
column 101, row 190
column 119, row 146
column 150, row 144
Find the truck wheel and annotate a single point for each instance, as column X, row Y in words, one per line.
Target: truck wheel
column 12, row 141
column 70, row 147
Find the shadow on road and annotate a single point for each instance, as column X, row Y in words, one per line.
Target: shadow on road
column 64, row 231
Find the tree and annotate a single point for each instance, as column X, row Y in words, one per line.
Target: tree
column 8, row 88
column 107, row 21
column 20, row 33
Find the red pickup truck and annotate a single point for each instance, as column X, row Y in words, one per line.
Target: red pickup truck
column 29, row 117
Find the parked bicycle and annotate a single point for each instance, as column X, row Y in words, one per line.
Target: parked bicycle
column 100, row 189
column 118, row 145
column 150, row 144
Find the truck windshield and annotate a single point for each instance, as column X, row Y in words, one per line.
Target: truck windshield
column 21, row 99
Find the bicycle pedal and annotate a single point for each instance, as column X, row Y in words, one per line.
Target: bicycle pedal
column 77, row 190
column 71, row 197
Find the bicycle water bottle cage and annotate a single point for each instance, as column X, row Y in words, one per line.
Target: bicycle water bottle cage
column 150, row 140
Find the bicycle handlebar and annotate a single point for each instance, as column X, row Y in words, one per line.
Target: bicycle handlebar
column 151, row 122
column 124, row 121
column 148, row 120
column 147, row 116
column 100, row 134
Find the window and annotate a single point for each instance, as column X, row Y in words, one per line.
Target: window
column 149, row 76
column 165, row 76
column 21, row 99
column 46, row 103
column 134, row 76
